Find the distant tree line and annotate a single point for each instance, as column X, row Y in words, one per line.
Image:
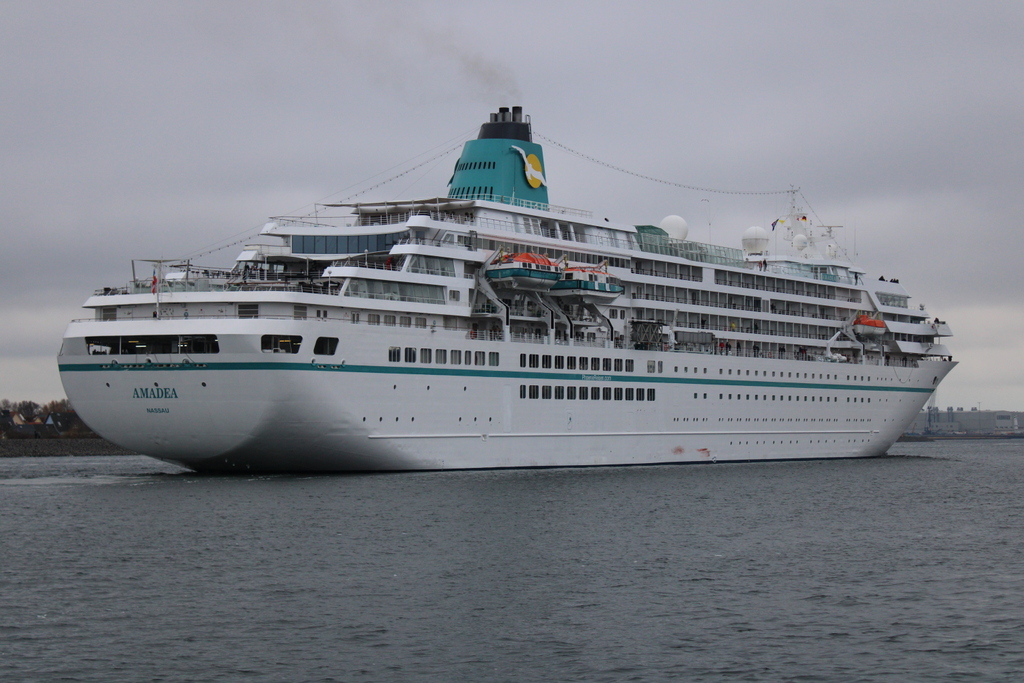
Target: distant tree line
column 30, row 414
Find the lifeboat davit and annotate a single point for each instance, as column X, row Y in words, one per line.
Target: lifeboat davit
column 867, row 326
column 593, row 283
column 523, row 271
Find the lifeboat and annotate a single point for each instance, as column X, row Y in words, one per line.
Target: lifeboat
column 867, row 326
column 593, row 283
column 523, row 271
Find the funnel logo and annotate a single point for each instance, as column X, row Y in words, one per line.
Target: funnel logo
column 532, row 169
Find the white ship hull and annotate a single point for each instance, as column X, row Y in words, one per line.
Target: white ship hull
column 357, row 412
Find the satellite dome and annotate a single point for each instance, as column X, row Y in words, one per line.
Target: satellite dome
column 675, row 226
column 800, row 242
column 755, row 240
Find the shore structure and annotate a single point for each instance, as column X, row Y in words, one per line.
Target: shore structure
column 490, row 328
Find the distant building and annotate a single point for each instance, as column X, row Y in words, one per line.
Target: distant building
column 974, row 422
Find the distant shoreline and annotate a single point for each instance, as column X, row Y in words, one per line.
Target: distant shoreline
column 43, row 448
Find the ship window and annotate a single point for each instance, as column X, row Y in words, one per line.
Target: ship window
column 492, row 358
column 618, row 365
column 456, row 357
column 108, row 313
column 479, row 358
column 522, row 360
column 595, row 364
column 325, row 346
column 405, row 321
column 534, row 391
column 248, row 310
column 640, row 394
column 453, row 294
column 545, row 361
column 534, row 360
column 299, row 312
column 394, row 354
column 522, row 391
column 618, row 393
column 661, row 366
column 650, row 394
column 629, row 365
column 629, row 394
column 441, row 356
column 607, row 365
column 355, row 318
column 274, row 343
column 559, row 393
column 372, row 318
column 410, row 355
column 584, row 362
column 606, row 393
column 559, row 362
column 595, row 393
column 583, row 394
column 570, row 393
column 421, row 323
column 651, row 366
column 389, row 320
column 424, row 355
column 570, row 362
column 200, row 343
column 545, row 392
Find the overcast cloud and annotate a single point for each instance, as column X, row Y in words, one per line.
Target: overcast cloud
column 148, row 130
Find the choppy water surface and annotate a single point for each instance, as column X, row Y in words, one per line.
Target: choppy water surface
column 900, row 568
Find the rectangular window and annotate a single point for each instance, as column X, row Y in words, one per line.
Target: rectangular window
column 570, row 393
column 389, row 320
column 618, row 365
column 275, row 343
column 606, row 393
column 545, row 392
column 248, row 310
column 522, row 391
column 326, row 346
column 453, row 294
column 629, row 365
column 545, row 361
column 629, row 394
column 639, row 394
column 410, row 355
column 559, row 393
column 394, row 354
column 607, row 365
column 110, row 313
column 618, row 393
column 570, row 363
column 425, row 355
column 534, row 360
column 584, row 394
column 441, row 356
column 405, row 321
column 534, row 391
column 661, row 366
column 479, row 358
column 595, row 364
column 421, row 323
column 355, row 318
column 492, row 358
column 650, row 394
column 373, row 319
column 299, row 312
column 559, row 362
column 456, row 357
column 595, row 393
column 650, row 366
column 522, row 360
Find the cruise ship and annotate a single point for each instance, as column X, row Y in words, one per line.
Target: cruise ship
column 489, row 328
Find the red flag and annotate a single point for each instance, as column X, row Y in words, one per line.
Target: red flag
column 152, row 288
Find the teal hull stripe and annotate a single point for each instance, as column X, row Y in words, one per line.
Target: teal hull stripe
column 500, row 374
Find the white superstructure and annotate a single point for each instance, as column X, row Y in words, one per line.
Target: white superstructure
column 490, row 328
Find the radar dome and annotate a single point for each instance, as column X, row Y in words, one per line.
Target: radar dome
column 675, row 226
column 755, row 240
column 800, row 242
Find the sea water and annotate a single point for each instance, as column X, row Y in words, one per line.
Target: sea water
column 907, row 567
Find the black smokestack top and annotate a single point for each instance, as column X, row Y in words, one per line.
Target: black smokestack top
column 507, row 125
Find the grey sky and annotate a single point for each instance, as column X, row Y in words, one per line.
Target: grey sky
column 143, row 130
